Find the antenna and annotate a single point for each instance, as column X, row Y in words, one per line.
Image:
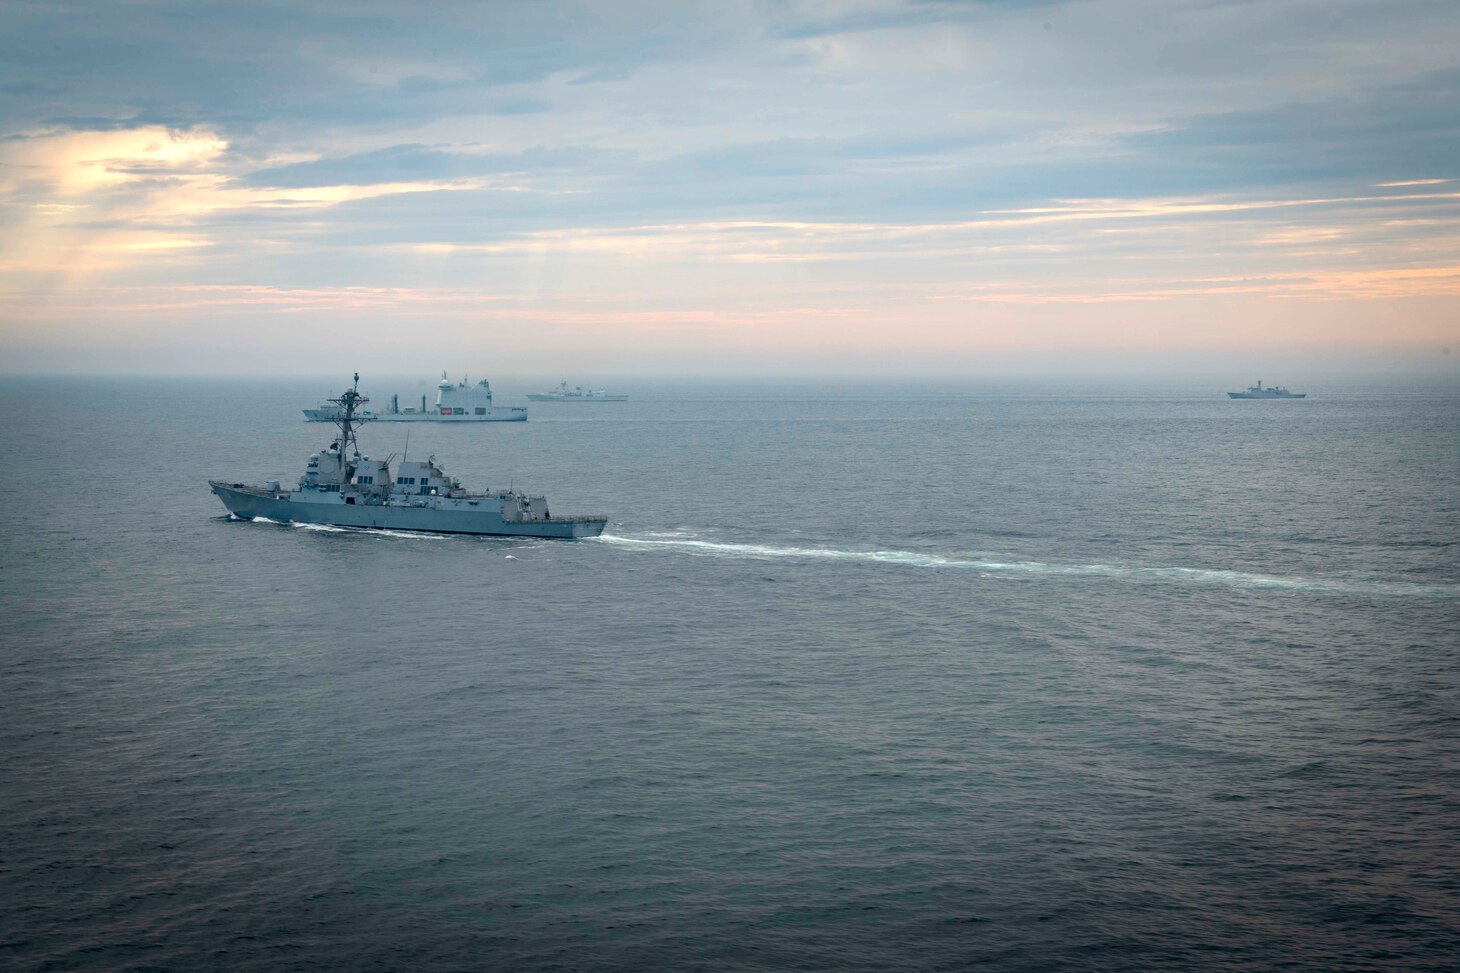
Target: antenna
column 346, row 420
column 407, row 450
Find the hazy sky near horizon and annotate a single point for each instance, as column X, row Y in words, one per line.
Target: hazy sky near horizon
column 898, row 185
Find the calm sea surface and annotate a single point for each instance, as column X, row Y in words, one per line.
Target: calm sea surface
column 1043, row 677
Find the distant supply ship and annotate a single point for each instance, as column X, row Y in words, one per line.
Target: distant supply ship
column 342, row 488
column 454, row 403
column 1271, row 392
column 578, row 394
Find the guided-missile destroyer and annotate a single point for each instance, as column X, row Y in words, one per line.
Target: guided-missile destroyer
column 342, row 488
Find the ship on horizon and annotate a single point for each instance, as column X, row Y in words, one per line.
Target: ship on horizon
column 455, row 402
column 576, row 394
column 343, row 488
column 1259, row 391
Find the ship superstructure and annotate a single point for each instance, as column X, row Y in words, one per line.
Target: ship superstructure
column 1260, row 391
column 342, row 487
column 455, row 402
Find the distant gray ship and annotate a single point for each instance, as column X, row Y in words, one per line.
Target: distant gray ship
column 577, row 394
column 342, row 488
column 1270, row 392
column 458, row 402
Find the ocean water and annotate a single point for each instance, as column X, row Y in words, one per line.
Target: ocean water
column 1123, row 676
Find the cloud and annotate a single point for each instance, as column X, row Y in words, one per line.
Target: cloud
column 879, row 155
column 417, row 163
column 1384, row 134
column 71, row 162
column 311, row 62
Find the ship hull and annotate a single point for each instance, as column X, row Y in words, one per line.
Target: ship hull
column 1264, row 395
column 540, row 397
column 249, row 502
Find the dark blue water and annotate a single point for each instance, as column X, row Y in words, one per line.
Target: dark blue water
column 1022, row 678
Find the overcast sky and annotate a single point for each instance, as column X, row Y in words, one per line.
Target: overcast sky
column 837, row 187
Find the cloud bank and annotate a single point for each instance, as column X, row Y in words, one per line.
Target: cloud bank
column 734, row 186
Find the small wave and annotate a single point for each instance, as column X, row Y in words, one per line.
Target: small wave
column 1234, row 579
column 319, row 528
column 364, row 531
column 522, row 543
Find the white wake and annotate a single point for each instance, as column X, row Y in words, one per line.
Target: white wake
column 915, row 559
column 372, row 531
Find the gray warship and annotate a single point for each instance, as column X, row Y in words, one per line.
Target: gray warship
column 578, row 394
column 1259, row 391
column 342, row 488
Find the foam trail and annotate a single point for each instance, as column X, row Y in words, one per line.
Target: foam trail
column 1234, row 579
column 372, row 531
column 525, row 542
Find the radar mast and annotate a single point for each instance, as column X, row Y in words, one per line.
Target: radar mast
column 346, row 420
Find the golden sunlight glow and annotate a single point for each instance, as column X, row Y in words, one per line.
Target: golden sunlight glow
column 72, row 163
column 78, row 191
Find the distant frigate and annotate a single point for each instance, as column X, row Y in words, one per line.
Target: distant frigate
column 577, row 394
column 342, row 488
column 1258, row 391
